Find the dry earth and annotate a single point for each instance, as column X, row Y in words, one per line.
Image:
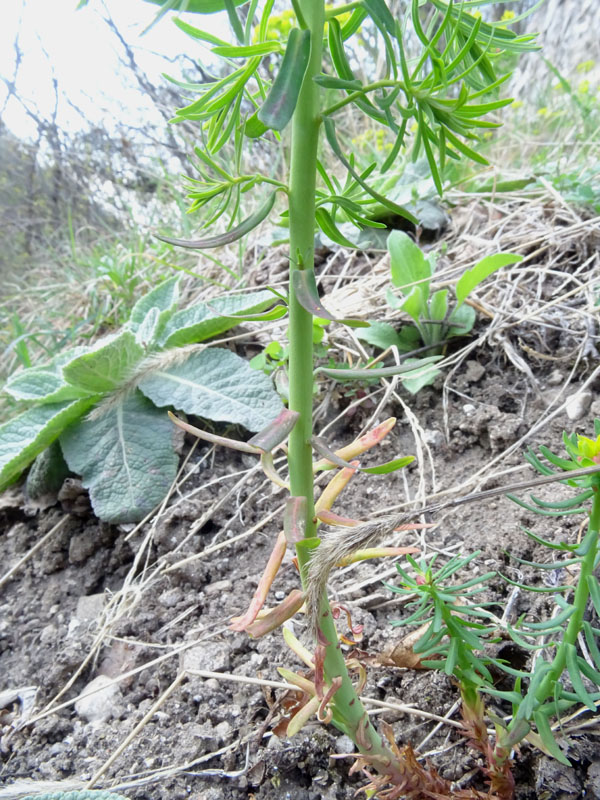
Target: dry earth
column 185, row 710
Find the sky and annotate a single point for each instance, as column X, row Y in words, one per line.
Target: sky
column 82, row 53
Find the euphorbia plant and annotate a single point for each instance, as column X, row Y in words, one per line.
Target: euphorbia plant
column 432, row 102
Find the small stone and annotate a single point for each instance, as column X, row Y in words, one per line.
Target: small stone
column 103, row 704
column 208, row 656
column 595, row 408
column 433, row 437
column 81, row 547
column 555, row 378
column 89, row 608
column 345, row 745
column 468, row 409
column 577, row 404
column 48, row 633
column 475, row 371
column 171, row 597
column 218, row 587
column 279, row 596
column 223, row 730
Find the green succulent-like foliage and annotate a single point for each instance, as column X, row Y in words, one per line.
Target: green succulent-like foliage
column 433, row 104
column 458, row 628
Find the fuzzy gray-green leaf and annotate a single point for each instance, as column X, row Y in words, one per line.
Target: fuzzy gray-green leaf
column 201, row 321
column 164, row 297
column 22, row 438
column 106, row 366
column 125, row 457
column 216, row 384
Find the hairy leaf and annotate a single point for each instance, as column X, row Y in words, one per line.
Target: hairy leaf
column 164, row 297
column 216, row 384
column 126, row 458
column 22, row 438
column 43, row 384
column 107, row 365
column 200, row 322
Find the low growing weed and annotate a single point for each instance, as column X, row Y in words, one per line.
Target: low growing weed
column 437, row 317
column 564, row 658
column 105, row 402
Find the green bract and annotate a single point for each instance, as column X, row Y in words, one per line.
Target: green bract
column 125, row 449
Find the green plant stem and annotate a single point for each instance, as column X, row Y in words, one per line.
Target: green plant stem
column 305, row 138
column 546, row 688
column 336, row 11
column 362, row 92
column 349, row 714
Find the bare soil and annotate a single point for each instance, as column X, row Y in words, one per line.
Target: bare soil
column 151, row 606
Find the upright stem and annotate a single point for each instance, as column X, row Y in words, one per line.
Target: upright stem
column 349, row 714
column 580, row 600
column 305, row 138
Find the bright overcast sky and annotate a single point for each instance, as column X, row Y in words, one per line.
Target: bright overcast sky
column 83, row 55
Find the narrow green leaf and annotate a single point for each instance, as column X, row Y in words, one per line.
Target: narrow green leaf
column 25, row 436
column 333, row 143
column 307, row 294
column 416, row 367
column 325, row 451
column 591, row 642
column 482, row 270
column 344, row 70
column 245, row 51
column 389, row 466
column 575, row 676
column 594, row 590
column 196, row 6
column 281, row 101
column 216, row 384
column 547, row 737
column 327, row 224
column 333, row 82
column 196, row 33
column 233, row 235
column 551, row 624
